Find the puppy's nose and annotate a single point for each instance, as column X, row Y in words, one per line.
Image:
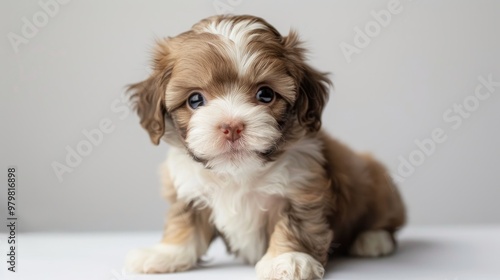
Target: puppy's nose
column 232, row 131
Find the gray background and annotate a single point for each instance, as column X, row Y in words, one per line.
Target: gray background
column 68, row 77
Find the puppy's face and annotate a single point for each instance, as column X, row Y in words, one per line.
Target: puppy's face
column 232, row 91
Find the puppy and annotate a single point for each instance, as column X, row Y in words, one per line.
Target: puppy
column 241, row 111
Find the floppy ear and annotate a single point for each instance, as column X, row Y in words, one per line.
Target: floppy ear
column 148, row 96
column 148, row 100
column 312, row 85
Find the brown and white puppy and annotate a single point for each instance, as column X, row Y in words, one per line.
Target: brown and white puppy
column 241, row 110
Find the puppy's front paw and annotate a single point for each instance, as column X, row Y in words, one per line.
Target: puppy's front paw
column 161, row 258
column 289, row 266
column 373, row 243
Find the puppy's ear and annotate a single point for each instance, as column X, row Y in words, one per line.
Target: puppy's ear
column 148, row 96
column 312, row 85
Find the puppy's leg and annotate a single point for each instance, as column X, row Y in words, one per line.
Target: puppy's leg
column 186, row 238
column 299, row 244
column 387, row 215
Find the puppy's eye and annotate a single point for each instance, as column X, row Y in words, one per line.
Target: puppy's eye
column 196, row 100
column 265, row 95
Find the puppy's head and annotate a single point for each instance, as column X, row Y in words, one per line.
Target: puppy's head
column 232, row 91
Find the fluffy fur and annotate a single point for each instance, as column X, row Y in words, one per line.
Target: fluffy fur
column 283, row 195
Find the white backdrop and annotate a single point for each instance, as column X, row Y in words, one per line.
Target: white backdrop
column 430, row 71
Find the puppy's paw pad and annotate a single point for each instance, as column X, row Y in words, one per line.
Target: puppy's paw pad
column 289, row 266
column 373, row 244
column 160, row 258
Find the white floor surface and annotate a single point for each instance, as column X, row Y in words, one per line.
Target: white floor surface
column 441, row 253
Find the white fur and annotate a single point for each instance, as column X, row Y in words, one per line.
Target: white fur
column 161, row 258
column 205, row 139
column 239, row 37
column 293, row 265
column 373, row 243
column 242, row 203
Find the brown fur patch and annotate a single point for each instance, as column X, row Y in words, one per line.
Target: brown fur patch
column 303, row 226
column 364, row 196
column 187, row 224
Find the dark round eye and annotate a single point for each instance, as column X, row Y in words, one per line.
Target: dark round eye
column 265, row 95
column 196, row 100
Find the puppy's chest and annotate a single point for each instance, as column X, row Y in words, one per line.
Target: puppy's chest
column 245, row 207
column 244, row 216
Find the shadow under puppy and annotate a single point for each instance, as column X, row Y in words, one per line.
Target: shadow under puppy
column 241, row 111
